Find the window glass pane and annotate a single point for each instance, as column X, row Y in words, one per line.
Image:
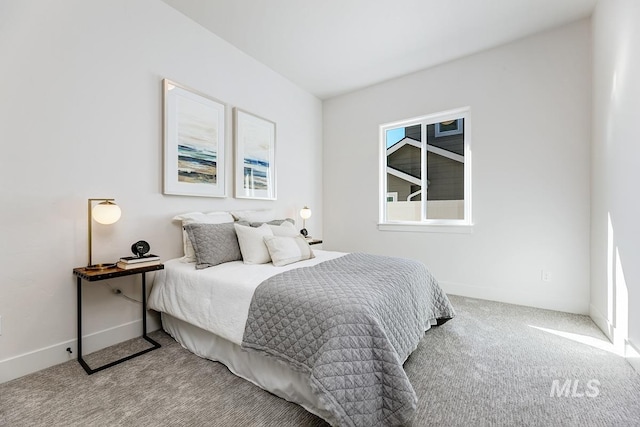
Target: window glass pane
column 425, row 170
column 445, row 170
column 404, row 174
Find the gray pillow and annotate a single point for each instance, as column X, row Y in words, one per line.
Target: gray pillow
column 213, row 244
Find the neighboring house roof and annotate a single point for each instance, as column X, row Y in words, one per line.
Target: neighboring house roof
column 409, row 142
column 402, row 143
column 404, row 176
column 432, row 148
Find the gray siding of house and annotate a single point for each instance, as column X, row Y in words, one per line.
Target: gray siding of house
column 413, row 132
column 446, row 178
column 446, row 181
column 400, row 186
column 407, row 160
column 452, row 143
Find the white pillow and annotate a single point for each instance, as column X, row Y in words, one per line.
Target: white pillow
column 285, row 229
column 199, row 218
column 254, row 216
column 287, row 250
column 252, row 246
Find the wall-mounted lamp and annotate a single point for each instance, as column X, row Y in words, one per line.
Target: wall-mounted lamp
column 305, row 214
column 106, row 212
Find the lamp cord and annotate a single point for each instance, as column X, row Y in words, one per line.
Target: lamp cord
column 119, row 292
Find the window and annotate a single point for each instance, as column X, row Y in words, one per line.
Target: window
column 425, row 171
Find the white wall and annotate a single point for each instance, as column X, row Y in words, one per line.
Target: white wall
column 81, row 117
column 615, row 206
column 530, row 116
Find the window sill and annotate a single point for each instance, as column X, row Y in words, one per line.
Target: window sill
column 427, row 228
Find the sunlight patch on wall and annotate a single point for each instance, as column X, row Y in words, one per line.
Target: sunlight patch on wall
column 610, row 279
column 617, row 292
column 621, row 331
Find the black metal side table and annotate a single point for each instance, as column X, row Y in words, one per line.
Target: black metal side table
column 110, row 273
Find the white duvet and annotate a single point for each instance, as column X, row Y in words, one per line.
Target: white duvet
column 216, row 299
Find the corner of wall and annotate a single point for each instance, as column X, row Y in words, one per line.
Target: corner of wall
column 601, row 321
column 632, row 354
column 629, row 349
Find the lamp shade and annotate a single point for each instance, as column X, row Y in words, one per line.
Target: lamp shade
column 305, row 213
column 106, row 212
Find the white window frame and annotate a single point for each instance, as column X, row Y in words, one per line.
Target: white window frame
column 428, row 225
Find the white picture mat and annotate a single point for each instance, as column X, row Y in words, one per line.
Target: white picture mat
column 204, row 118
column 255, row 156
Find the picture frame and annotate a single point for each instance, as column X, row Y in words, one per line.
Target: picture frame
column 255, row 156
column 194, row 142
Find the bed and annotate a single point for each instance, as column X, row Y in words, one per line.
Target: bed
column 328, row 331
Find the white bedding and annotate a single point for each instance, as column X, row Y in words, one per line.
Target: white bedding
column 216, row 299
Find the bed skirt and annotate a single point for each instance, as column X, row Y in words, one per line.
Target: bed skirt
column 265, row 372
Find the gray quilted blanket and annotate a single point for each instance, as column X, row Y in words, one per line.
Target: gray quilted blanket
column 350, row 323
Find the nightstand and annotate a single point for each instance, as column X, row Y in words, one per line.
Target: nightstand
column 112, row 273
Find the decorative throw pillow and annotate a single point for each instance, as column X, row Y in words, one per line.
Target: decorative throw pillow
column 287, row 250
column 252, row 246
column 200, row 218
column 213, row 244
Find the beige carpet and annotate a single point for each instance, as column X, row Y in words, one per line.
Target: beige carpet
column 494, row 364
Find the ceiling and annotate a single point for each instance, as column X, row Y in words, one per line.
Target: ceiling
column 331, row 47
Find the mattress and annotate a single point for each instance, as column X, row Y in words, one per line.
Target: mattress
column 216, row 299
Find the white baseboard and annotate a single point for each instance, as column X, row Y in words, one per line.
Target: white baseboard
column 629, row 349
column 37, row 360
column 515, row 296
column 632, row 354
column 601, row 321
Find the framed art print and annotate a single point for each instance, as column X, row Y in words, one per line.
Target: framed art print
column 255, row 144
column 194, row 142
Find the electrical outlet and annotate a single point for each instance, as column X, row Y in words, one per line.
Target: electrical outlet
column 545, row 276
